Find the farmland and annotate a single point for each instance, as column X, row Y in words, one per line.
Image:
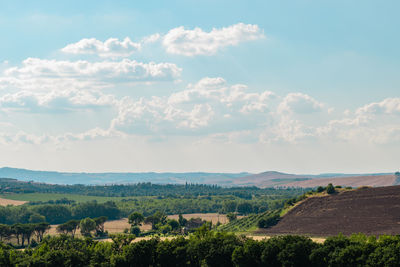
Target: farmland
column 373, row 211
column 45, row 197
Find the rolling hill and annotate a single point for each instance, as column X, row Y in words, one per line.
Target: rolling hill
column 353, row 181
column 264, row 179
column 373, row 211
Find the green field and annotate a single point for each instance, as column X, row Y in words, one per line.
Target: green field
column 53, row 196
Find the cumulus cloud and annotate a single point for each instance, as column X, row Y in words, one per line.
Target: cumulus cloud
column 55, row 101
column 124, row 70
column 299, row 103
column 112, row 47
column 37, row 74
column 208, row 105
column 185, row 42
column 377, row 122
column 387, row 106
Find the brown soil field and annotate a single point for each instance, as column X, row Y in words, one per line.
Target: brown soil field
column 5, row 202
column 354, row 181
column 372, row 211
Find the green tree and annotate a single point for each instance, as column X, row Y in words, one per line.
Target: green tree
column 182, row 221
column 231, row 216
column 330, row 189
column 156, row 219
column 121, row 240
column 69, row 227
column 136, row 218
column 174, row 224
column 37, row 218
column 135, row 230
column 100, row 225
column 87, row 225
column 40, row 229
column 244, row 208
column 26, row 232
column 18, row 230
column 229, row 206
column 5, row 232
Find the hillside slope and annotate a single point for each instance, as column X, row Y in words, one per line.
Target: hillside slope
column 354, row 181
column 373, row 211
column 270, row 178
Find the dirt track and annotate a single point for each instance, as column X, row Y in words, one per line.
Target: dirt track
column 373, row 211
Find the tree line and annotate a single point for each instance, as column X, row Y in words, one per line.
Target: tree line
column 62, row 210
column 8, row 185
column 56, row 214
column 207, row 248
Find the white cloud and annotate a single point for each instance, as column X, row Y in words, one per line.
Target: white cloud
column 151, row 38
column 112, row 47
column 208, row 106
column 387, row 106
column 198, row 42
column 42, row 74
column 55, row 101
column 300, row 104
column 376, row 123
column 22, row 137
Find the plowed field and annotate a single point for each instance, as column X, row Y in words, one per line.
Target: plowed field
column 373, row 211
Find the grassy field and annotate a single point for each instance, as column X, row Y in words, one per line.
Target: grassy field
column 51, row 196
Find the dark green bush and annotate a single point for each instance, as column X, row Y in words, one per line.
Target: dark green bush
column 330, row 189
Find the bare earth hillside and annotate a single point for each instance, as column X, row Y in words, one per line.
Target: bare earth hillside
column 373, row 211
column 356, row 181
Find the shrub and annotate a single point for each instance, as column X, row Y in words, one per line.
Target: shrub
column 330, row 189
column 269, row 221
column 320, row 189
column 135, row 230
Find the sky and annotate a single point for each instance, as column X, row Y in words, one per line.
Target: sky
column 197, row 85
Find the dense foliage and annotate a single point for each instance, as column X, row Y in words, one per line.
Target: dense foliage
column 140, row 189
column 205, row 248
column 57, row 213
column 144, row 198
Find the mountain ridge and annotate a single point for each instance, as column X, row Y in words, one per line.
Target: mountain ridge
column 263, row 179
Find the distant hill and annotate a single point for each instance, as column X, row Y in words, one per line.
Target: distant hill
column 271, row 178
column 373, row 211
column 264, row 179
column 353, row 181
column 53, row 177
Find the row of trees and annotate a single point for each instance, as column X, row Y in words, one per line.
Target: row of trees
column 141, row 189
column 23, row 232
column 86, row 226
column 205, row 248
column 161, row 224
column 26, row 233
column 57, row 213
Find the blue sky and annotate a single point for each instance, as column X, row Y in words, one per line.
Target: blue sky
column 296, row 86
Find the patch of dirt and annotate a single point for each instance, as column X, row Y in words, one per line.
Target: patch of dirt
column 373, row 211
column 6, row 202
